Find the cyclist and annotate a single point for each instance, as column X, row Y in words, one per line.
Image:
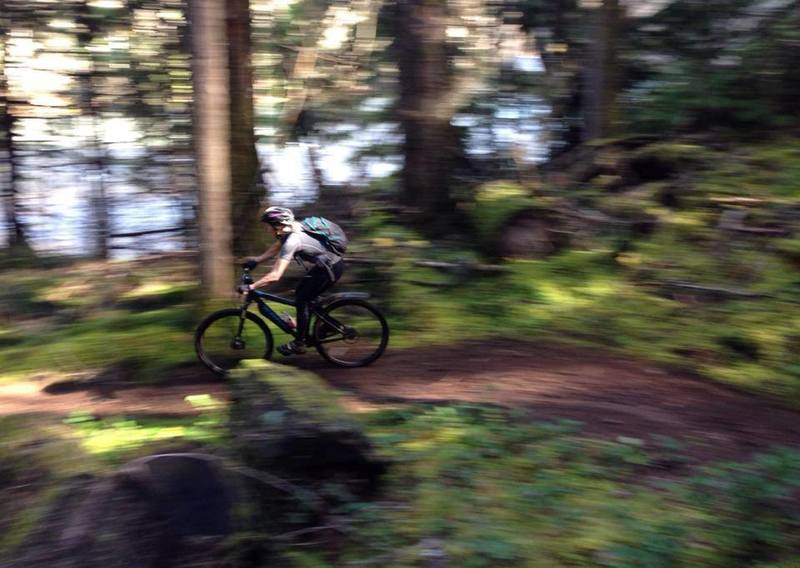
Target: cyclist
column 294, row 243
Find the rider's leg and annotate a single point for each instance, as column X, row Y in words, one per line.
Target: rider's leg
column 323, row 277
column 312, row 285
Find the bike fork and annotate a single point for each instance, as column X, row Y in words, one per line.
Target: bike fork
column 237, row 342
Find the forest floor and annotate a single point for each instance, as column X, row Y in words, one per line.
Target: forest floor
column 611, row 396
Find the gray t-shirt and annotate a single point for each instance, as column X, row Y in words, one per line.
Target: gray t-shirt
column 305, row 247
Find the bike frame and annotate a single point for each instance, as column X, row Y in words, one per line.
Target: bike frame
column 261, row 299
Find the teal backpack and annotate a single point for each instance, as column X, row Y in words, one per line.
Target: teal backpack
column 327, row 232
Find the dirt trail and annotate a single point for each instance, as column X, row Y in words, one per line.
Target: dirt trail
column 610, row 395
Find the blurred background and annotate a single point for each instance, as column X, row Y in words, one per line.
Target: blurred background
column 421, row 102
column 615, row 177
column 621, row 172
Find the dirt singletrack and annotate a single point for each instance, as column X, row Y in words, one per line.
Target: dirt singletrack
column 610, row 395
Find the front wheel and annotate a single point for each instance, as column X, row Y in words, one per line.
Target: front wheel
column 225, row 338
column 351, row 333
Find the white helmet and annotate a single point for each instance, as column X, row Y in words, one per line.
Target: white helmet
column 278, row 216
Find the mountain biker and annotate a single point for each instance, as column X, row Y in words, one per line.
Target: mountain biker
column 293, row 242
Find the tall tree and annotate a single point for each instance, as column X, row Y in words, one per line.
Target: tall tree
column 244, row 159
column 600, row 72
column 15, row 232
column 89, row 26
column 212, row 142
column 424, row 110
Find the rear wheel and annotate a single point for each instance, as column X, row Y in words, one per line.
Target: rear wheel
column 352, row 334
column 225, row 338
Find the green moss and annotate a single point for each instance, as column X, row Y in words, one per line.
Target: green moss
column 485, row 489
column 117, row 439
column 495, row 203
column 302, row 390
column 675, row 153
column 769, row 172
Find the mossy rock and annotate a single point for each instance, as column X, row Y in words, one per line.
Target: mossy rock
column 512, row 223
column 664, row 160
column 288, row 421
column 495, row 203
column 157, row 510
column 529, row 234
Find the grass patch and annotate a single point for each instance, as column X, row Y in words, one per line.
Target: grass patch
column 118, row 439
column 481, row 487
column 98, row 316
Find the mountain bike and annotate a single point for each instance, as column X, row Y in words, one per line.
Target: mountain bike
column 344, row 328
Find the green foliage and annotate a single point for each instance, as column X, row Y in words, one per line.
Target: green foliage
column 61, row 320
column 706, row 79
column 480, row 487
column 117, row 439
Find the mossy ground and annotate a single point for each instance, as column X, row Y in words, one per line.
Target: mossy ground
column 90, row 316
column 615, row 287
column 478, row 486
column 482, row 487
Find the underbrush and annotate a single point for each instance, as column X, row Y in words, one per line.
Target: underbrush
column 87, row 317
column 476, row 486
column 471, row 486
column 710, row 286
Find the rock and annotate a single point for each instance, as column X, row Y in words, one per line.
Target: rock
column 289, row 423
column 190, row 489
column 141, row 516
column 532, row 234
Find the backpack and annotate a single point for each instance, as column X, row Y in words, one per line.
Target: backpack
column 327, row 232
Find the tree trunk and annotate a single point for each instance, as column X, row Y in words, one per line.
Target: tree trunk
column 599, row 101
column 15, row 231
column 212, row 143
column 247, row 195
column 100, row 199
column 88, row 107
column 430, row 139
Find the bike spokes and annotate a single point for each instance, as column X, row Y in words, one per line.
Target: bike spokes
column 351, row 334
column 230, row 339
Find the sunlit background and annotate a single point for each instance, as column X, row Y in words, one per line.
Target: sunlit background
column 99, row 96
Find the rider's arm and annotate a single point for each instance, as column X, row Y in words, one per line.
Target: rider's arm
column 270, row 252
column 273, row 275
column 288, row 248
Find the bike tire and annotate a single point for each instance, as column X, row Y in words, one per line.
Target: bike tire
column 339, row 355
column 214, row 361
